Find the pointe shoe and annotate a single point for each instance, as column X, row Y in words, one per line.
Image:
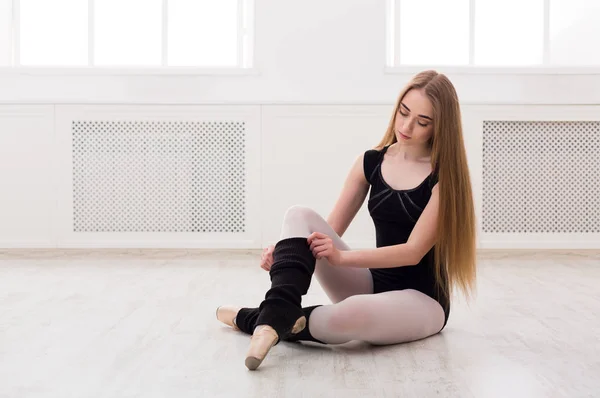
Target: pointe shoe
column 227, row 314
column 263, row 339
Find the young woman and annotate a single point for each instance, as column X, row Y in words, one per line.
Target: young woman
column 422, row 207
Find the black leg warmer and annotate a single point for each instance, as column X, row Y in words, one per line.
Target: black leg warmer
column 247, row 317
column 305, row 335
column 291, row 274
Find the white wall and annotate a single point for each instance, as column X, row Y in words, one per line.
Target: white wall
column 27, row 194
column 320, row 92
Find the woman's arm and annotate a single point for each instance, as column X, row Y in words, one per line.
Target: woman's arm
column 351, row 198
column 421, row 240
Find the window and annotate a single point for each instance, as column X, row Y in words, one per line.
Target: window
column 574, row 32
column 126, row 33
column 490, row 33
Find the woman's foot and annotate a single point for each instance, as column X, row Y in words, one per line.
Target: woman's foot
column 227, row 315
column 263, row 339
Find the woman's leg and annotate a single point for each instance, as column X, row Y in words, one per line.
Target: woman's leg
column 337, row 282
column 384, row 318
column 280, row 315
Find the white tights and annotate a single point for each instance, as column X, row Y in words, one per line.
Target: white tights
column 356, row 313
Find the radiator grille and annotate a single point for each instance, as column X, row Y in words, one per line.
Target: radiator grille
column 159, row 176
column 541, row 177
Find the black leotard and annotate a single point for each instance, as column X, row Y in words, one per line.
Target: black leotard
column 395, row 213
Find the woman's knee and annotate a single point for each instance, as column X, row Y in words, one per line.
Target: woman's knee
column 298, row 221
column 300, row 216
column 298, row 213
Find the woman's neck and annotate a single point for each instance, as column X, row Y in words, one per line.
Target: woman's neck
column 413, row 153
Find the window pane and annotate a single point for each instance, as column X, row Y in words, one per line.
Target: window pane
column 128, row 32
column 509, row 32
column 203, row 33
column 434, row 32
column 54, row 33
column 574, row 32
column 5, row 38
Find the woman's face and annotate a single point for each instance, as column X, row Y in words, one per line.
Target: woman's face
column 414, row 121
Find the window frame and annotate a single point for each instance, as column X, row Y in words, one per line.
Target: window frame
column 393, row 65
column 245, row 48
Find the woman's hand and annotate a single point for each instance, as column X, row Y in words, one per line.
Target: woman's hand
column 322, row 247
column 266, row 259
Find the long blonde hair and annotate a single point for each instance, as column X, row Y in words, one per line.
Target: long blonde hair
column 455, row 248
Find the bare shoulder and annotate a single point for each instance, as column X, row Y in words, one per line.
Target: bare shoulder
column 358, row 169
column 351, row 197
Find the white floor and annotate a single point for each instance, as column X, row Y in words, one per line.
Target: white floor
column 142, row 324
